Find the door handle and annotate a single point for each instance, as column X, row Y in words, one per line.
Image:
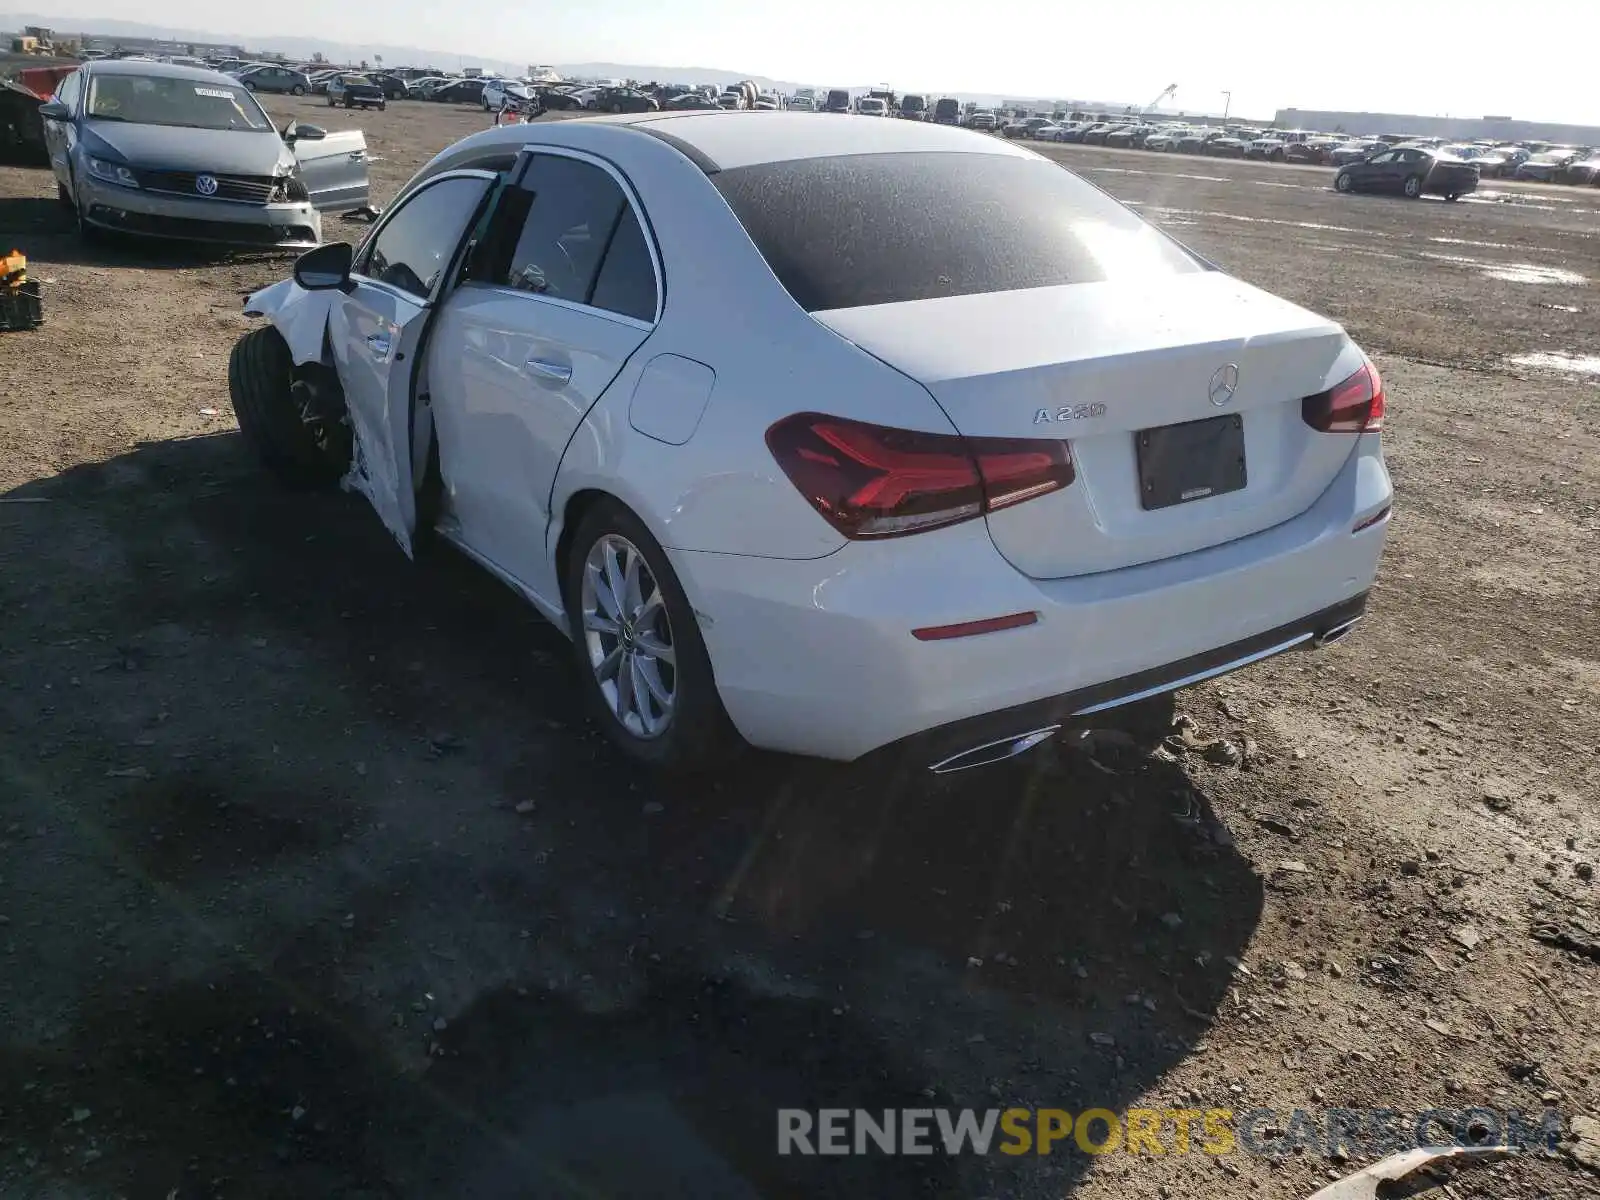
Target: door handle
column 378, row 343
column 545, row 369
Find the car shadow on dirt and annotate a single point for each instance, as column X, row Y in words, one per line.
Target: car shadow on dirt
column 609, row 982
column 46, row 231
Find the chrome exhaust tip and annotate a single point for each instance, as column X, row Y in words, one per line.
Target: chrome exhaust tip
column 995, row 752
column 1330, row 636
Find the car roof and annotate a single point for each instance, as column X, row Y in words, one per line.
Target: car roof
column 725, row 140
column 152, row 69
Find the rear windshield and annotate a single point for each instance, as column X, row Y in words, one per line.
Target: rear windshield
column 864, row 229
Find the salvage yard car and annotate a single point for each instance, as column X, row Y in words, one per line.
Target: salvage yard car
column 356, row 91
column 888, row 513
column 175, row 152
column 1412, row 171
column 268, row 78
column 496, row 93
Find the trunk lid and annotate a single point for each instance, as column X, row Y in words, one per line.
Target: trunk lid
column 1095, row 364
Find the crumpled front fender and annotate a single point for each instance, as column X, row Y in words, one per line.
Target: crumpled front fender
column 300, row 316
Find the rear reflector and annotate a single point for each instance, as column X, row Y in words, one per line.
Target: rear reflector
column 940, row 633
column 871, row 481
column 1354, row 406
column 1381, row 515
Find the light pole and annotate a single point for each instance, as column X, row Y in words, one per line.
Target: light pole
column 1227, row 103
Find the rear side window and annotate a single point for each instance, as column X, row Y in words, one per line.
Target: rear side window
column 577, row 239
column 855, row 230
column 626, row 283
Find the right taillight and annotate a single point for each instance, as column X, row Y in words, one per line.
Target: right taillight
column 1354, row 406
column 872, row 481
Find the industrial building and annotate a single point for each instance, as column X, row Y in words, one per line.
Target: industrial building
column 1460, row 129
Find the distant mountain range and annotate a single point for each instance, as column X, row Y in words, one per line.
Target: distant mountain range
column 304, row 49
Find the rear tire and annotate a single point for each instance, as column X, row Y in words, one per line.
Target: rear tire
column 260, row 372
column 697, row 734
column 297, row 90
column 1413, row 188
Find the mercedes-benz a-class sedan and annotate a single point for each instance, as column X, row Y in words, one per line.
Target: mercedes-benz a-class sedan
column 792, row 470
column 150, row 148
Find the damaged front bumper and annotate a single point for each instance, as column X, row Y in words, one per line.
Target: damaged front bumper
column 291, row 226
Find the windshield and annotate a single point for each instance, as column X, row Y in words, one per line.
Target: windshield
column 184, row 103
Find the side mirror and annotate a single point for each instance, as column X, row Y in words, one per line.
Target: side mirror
column 54, row 110
column 301, row 132
column 325, row 269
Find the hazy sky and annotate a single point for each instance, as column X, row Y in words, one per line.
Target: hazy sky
column 1529, row 59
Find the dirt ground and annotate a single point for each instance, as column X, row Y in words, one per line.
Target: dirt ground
column 314, row 882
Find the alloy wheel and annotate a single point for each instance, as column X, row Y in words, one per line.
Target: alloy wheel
column 628, row 636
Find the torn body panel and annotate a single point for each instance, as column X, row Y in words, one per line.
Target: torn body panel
column 379, row 469
column 300, row 316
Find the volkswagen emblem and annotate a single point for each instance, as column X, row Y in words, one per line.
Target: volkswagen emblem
column 206, row 185
column 1224, row 384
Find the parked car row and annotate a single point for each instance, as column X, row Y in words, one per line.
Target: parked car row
column 1557, row 164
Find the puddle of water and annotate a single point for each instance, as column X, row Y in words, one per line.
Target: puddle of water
column 1163, row 174
column 1222, row 216
column 1297, row 186
column 1574, row 364
column 1511, row 272
column 1533, row 273
column 1569, row 308
column 1444, row 241
column 1521, row 201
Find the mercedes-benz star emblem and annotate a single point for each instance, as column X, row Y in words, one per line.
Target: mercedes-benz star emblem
column 206, row 185
column 1224, row 383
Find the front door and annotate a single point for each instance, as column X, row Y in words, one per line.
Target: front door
column 377, row 328
column 334, row 169
column 60, row 135
column 563, row 292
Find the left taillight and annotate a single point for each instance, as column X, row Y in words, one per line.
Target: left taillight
column 873, row 481
column 1353, row 406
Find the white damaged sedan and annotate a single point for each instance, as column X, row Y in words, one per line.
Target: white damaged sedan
column 830, row 434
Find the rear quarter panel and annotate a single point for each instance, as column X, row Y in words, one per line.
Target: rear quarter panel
column 722, row 490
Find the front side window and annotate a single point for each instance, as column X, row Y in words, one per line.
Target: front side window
column 67, row 93
column 416, row 244
column 181, row 103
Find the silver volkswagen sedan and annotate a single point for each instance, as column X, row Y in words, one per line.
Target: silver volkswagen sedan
column 176, row 152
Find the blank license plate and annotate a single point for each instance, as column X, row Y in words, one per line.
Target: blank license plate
column 1180, row 463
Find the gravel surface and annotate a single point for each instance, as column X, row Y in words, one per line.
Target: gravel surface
column 314, row 882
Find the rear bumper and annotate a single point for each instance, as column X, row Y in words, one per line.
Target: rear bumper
column 1457, row 182
column 942, row 747
column 817, row 657
column 269, row 226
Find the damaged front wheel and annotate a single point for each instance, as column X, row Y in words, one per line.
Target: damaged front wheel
column 294, row 422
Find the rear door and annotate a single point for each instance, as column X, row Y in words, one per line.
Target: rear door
column 335, row 171
column 377, row 328
column 563, row 292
